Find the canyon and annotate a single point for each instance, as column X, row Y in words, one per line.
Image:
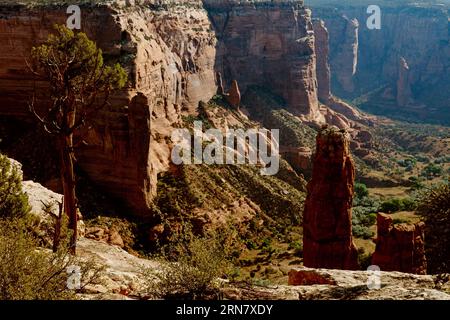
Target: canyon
column 172, row 52
column 225, row 65
column 402, row 66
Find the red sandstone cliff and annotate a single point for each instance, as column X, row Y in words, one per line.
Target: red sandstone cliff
column 172, row 52
column 269, row 44
column 323, row 67
column 169, row 55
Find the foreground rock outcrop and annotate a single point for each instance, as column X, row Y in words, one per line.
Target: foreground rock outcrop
column 327, row 223
column 123, row 279
column 399, row 247
column 313, row 284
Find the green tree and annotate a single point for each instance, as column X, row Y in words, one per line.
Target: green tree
column 80, row 85
column 13, row 201
column 361, row 190
column 434, row 207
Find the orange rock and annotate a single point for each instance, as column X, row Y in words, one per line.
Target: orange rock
column 399, row 247
column 327, row 219
column 234, row 95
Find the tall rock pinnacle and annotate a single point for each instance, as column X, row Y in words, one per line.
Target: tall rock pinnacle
column 327, row 219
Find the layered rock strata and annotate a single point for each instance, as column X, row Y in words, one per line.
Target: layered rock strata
column 172, row 51
column 416, row 32
column 270, row 44
column 169, row 55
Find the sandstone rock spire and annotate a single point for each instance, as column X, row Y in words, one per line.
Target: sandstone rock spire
column 234, row 95
column 327, row 219
column 404, row 93
column 399, row 247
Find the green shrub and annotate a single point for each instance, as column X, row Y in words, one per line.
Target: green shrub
column 392, row 205
column 398, row 204
column 363, row 217
column 13, row 201
column 361, row 190
column 434, row 207
column 416, row 183
column 193, row 275
column 432, row 170
column 362, row 232
column 29, row 273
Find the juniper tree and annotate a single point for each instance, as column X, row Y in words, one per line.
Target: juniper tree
column 80, row 84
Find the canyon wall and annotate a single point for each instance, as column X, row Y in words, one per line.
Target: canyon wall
column 172, row 51
column 270, row 44
column 419, row 35
column 169, row 55
column 322, row 47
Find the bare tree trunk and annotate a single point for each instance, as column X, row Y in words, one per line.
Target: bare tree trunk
column 57, row 235
column 68, row 182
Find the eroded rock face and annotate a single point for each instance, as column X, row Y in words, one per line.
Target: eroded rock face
column 323, row 66
column 344, row 110
column 268, row 44
column 399, row 247
column 169, row 56
column 345, row 41
column 327, row 223
column 172, row 52
column 415, row 32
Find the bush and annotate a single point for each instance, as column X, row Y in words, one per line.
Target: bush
column 434, row 207
column 13, row 201
column 397, row 204
column 193, row 275
column 361, row 190
column 416, row 183
column 29, row 273
column 363, row 232
column 392, row 205
column 363, row 217
column 431, row 171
